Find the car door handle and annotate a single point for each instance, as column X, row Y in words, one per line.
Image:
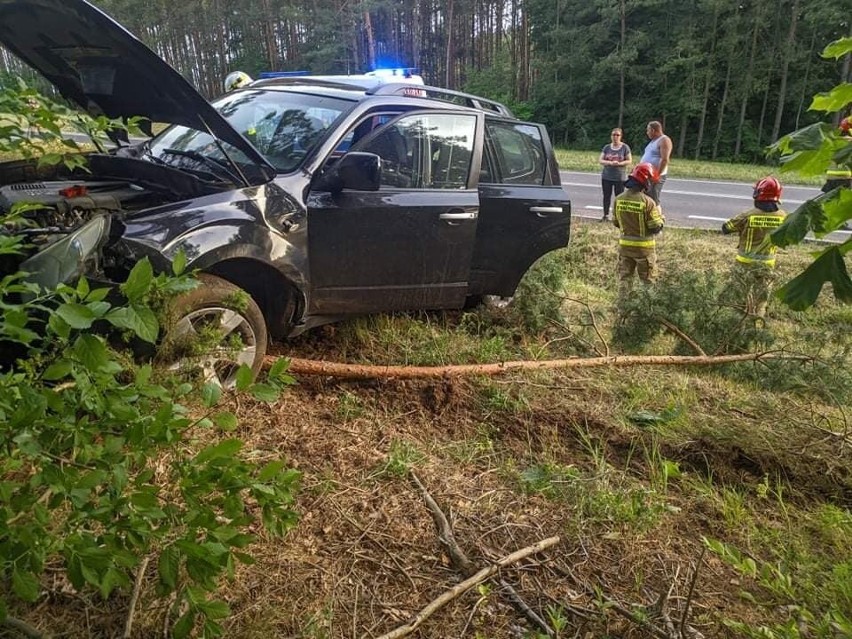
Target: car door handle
column 544, row 211
column 453, row 217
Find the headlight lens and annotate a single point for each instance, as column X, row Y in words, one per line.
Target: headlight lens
column 65, row 260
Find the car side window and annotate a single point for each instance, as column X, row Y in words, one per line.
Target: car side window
column 519, row 153
column 424, row 151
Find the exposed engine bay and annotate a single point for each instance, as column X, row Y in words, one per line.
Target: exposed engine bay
column 66, row 204
column 60, row 201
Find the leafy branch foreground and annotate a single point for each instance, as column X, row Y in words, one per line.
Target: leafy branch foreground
column 103, row 466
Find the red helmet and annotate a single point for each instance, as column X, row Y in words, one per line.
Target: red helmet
column 645, row 174
column 767, row 190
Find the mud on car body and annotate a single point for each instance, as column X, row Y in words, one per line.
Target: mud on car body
column 317, row 197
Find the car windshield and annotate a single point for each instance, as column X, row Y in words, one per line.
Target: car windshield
column 283, row 126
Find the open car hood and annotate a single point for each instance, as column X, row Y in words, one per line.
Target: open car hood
column 98, row 64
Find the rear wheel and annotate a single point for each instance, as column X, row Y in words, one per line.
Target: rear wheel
column 212, row 331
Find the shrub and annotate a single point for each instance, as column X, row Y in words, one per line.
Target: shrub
column 102, row 463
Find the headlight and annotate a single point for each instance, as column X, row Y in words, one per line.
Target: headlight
column 66, row 259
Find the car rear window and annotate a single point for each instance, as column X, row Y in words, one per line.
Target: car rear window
column 518, row 150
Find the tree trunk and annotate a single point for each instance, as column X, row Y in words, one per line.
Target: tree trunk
column 747, row 84
column 805, row 80
column 708, row 79
column 785, row 67
column 622, row 63
column 449, row 30
column 722, row 106
column 371, row 40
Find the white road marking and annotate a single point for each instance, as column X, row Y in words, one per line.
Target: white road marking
column 717, row 182
column 591, row 206
column 726, row 196
column 706, row 217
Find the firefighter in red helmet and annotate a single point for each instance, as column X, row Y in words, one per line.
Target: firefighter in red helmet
column 755, row 262
column 639, row 218
column 837, row 174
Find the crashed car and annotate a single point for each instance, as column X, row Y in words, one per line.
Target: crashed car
column 318, row 198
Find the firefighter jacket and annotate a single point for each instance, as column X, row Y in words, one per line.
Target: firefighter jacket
column 639, row 219
column 754, row 227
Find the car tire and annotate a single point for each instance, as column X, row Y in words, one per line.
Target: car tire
column 212, row 330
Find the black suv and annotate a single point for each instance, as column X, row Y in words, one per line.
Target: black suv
column 318, row 198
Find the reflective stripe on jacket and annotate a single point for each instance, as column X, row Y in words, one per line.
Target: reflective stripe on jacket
column 638, row 217
column 754, row 227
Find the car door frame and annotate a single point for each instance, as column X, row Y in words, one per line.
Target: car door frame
column 394, row 248
column 518, row 222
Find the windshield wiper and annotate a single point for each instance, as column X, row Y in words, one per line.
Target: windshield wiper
column 211, row 162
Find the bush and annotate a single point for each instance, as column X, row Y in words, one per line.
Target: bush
column 705, row 306
column 102, row 465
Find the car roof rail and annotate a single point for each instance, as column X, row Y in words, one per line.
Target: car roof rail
column 446, row 95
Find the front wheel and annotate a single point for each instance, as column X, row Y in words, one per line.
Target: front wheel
column 213, row 330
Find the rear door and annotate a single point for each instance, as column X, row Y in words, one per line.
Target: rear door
column 408, row 245
column 524, row 213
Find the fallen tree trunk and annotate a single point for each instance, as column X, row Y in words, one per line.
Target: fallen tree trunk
column 359, row 371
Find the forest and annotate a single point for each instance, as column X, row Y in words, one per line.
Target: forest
column 726, row 78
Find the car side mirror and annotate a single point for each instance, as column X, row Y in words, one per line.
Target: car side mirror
column 356, row 171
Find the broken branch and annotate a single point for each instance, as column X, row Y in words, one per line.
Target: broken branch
column 466, row 585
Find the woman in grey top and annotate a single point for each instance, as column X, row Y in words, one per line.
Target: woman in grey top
column 615, row 158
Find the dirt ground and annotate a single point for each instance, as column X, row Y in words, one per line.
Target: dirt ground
column 366, row 556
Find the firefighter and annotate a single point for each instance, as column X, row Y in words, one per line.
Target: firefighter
column 235, row 80
column 755, row 262
column 639, row 218
column 840, row 174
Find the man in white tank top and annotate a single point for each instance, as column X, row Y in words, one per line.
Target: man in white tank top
column 658, row 152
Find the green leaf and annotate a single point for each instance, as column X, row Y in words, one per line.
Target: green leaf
column 215, row 609
column 795, row 226
column 270, row 470
column 211, row 393
column 264, row 392
column 59, row 326
column 802, row 291
column 90, row 350
column 111, row 580
column 244, row 377
column 278, row 368
column 807, row 162
column 837, row 208
column 58, row 370
column 83, row 287
column 139, row 281
column 98, row 295
column 226, row 421
column 139, row 319
column 834, row 100
column 810, row 138
column 76, row 315
column 168, row 567
column 225, row 448
column 25, row 585
column 184, row 625
column 179, row 263
column 838, row 48
column 143, row 374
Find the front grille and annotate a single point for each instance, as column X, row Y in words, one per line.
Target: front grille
column 36, row 186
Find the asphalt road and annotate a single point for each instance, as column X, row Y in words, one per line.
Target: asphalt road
column 687, row 203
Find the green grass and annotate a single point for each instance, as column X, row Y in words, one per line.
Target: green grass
column 682, row 168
